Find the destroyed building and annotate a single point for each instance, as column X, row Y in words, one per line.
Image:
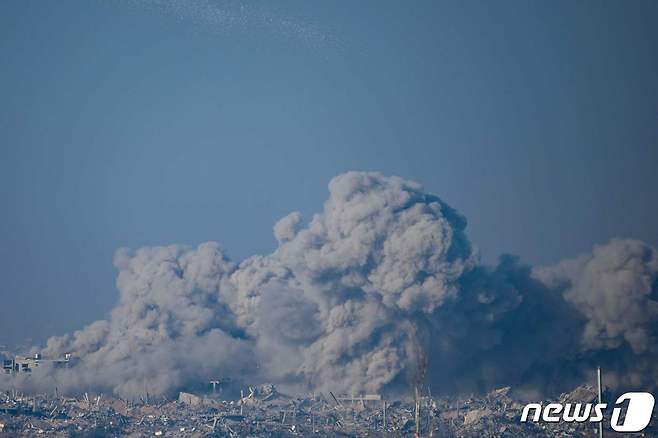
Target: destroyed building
column 263, row 411
column 22, row 364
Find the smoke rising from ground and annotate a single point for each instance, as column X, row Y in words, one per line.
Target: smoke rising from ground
column 346, row 301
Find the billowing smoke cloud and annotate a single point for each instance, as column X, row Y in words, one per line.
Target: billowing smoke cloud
column 381, row 282
column 616, row 290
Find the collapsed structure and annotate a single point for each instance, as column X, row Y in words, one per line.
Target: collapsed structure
column 263, row 411
column 21, row 364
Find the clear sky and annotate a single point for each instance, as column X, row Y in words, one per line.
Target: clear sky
column 132, row 123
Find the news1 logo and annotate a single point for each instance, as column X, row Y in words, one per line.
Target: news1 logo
column 638, row 412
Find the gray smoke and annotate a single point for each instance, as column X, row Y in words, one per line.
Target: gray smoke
column 347, row 301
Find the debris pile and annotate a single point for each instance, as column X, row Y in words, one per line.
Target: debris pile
column 264, row 411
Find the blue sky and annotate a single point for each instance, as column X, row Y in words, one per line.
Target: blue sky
column 132, row 123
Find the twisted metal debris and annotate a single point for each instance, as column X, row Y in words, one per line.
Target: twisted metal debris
column 262, row 411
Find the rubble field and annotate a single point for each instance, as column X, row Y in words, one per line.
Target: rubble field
column 265, row 412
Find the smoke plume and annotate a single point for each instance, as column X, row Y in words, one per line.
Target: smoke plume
column 348, row 300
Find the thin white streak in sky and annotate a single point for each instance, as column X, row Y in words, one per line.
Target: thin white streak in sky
column 225, row 16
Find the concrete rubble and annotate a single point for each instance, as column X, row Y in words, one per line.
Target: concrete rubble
column 262, row 411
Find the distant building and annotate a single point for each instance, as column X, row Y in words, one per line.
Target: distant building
column 22, row 364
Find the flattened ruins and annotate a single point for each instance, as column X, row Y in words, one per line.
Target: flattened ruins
column 263, row 411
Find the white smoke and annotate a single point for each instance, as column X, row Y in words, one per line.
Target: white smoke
column 346, row 300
